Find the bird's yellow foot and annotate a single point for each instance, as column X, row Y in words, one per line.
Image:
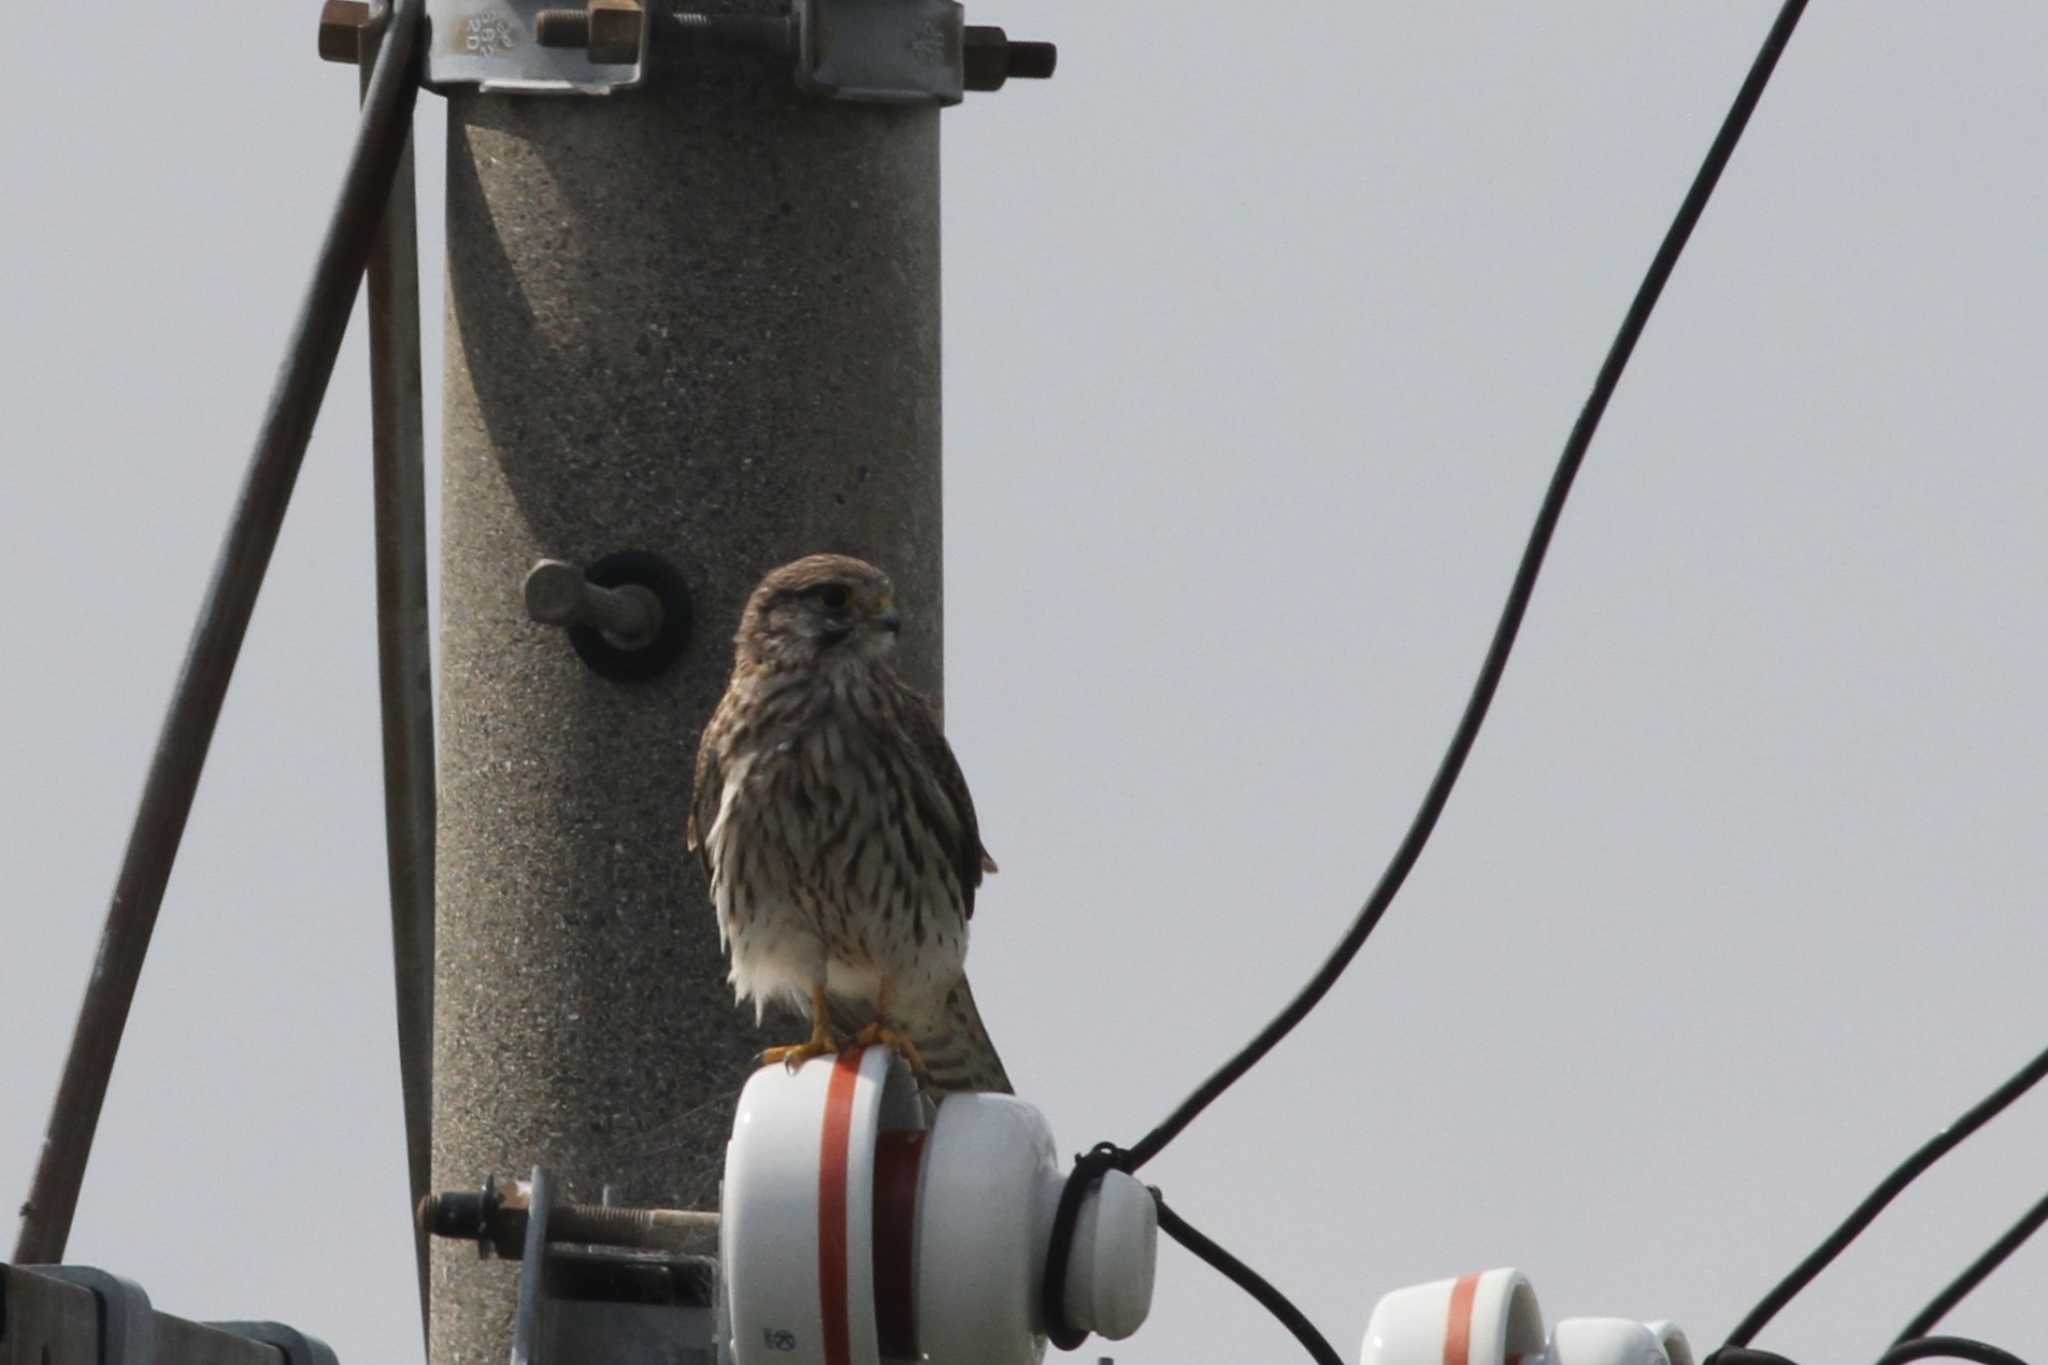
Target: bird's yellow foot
column 821, row 1043
column 889, row 1035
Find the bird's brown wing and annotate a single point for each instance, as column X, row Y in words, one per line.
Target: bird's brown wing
column 708, row 791
column 970, row 860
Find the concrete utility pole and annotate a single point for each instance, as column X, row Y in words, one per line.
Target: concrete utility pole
column 698, row 319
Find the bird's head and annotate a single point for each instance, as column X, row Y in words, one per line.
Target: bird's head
column 820, row 607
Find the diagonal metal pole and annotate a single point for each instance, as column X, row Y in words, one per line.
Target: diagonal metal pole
column 209, row 663
column 405, row 681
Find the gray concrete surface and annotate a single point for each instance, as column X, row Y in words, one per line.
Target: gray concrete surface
column 701, row 321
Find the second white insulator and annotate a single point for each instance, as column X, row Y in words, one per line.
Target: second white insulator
column 991, row 1184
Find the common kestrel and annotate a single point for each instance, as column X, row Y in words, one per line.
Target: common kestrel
column 837, row 831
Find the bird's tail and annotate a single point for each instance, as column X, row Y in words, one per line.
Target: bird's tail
column 956, row 1046
column 951, row 1036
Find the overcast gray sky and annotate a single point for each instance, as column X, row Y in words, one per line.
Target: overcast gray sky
column 1264, row 328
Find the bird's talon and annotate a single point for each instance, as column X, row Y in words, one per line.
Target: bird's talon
column 888, row 1036
column 795, row 1055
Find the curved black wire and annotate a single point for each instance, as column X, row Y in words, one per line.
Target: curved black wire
column 1873, row 1203
column 1948, row 1348
column 1511, row 615
column 1937, row 1307
column 1249, row 1280
column 1107, row 1156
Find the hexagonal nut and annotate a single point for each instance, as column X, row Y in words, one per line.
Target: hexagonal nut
column 614, row 32
column 341, row 30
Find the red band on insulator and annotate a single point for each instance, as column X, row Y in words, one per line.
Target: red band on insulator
column 1458, row 1324
column 832, row 1206
column 896, row 1169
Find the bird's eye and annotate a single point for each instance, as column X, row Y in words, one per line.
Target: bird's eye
column 835, row 596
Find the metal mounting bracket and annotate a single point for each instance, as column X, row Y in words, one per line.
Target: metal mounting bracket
column 885, row 51
column 594, row 1301
column 127, row 1322
column 877, row 51
column 297, row 1347
column 533, row 1269
column 495, row 46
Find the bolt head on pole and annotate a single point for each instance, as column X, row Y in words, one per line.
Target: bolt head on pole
column 554, row 592
column 341, row 29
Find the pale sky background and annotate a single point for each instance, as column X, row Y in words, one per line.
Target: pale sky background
column 1264, row 327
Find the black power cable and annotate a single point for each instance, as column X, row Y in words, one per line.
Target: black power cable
column 1439, row 792
column 1106, row 1156
column 1901, row 1352
column 1874, row 1203
column 1937, row 1308
column 1249, row 1280
column 1948, row 1348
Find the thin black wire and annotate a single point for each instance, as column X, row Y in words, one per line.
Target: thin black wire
column 1938, row 1307
column 1873, row 1204
column 1948, row 1348
column 1106, row 1156
column 1517, row 604
column 1249, row 1280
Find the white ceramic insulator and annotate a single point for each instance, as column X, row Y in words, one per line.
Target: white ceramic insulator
column 988, row 1180
column 768, row 1234
column 1490, row 1318
column 1676, row 1348
column 1116, row 1244
column 978, row 1245
column 1605, row 1341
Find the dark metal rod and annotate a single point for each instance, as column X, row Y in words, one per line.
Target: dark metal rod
column 405, row 680
column 216, row 640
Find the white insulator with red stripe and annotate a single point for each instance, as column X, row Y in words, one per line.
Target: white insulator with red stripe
column 1491, row 1318
column 852, row 1234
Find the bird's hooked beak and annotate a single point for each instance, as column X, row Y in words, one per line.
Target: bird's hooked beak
column 889, row 619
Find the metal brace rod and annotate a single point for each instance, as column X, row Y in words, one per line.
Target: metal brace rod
column 405, row 682
column 217, row 637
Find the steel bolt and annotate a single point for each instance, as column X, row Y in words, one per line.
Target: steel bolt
column 665, row 1229
column 1033, row 61
column 989, row 58
column 341, row 30
column 609, row 29
column 557, row 594
column 772, row 33
column 561, row 28
column 498, row 1217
